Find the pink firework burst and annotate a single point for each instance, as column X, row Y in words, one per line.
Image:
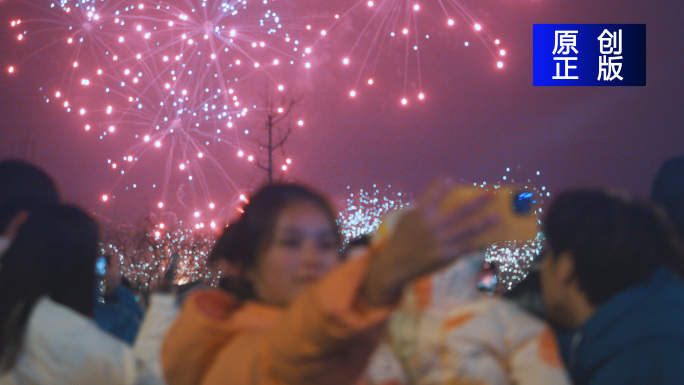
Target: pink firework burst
column 174, row 89
column 379, row 42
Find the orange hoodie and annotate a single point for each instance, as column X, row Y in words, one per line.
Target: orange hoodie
column 324, row 337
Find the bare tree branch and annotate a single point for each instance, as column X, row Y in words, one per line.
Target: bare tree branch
column 276, row 127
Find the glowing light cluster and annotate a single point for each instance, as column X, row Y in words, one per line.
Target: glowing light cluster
column 514, row 260
column 145, row 252
column 365, row 210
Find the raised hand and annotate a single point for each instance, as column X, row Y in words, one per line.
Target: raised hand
column 425, row 239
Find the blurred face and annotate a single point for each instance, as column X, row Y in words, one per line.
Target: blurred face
column 553, row 276
column 304, row 247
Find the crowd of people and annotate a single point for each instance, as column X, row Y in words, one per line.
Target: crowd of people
column 604, row 306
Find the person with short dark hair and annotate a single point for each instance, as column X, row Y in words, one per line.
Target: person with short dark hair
column 611, row 280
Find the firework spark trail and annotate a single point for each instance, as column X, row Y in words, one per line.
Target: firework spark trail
column 165, row 78
column 174, row 82
column 392, row 36
column 177, row 78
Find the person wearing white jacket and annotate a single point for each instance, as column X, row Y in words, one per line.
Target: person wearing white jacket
column 449, row 333
column 63, row 347
column 47, row 286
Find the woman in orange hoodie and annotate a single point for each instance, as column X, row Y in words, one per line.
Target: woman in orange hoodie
column 295, row 313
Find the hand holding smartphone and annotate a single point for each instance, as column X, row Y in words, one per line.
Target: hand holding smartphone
column 515, row 206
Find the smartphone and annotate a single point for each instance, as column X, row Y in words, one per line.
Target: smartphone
column 100, row 266
column 516, row 208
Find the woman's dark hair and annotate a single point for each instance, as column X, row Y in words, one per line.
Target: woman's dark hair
column 250, row 235
column 53, row 255
column 23, row 186
column 615, row 242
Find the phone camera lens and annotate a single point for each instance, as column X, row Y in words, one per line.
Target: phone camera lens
column 522, row 203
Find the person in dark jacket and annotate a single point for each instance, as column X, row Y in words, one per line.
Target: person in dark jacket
column 668, row 190
column 611, row 282
column 120, row 314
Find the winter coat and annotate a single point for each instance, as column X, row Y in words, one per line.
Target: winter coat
column 636, row 337
column 161, row 314
column 120, row 314
column 446, row 332
column 61, row 346
column 324, row 337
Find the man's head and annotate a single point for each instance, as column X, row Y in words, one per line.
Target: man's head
column 597, row 245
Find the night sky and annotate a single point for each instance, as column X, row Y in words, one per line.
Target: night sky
column 475, row 122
